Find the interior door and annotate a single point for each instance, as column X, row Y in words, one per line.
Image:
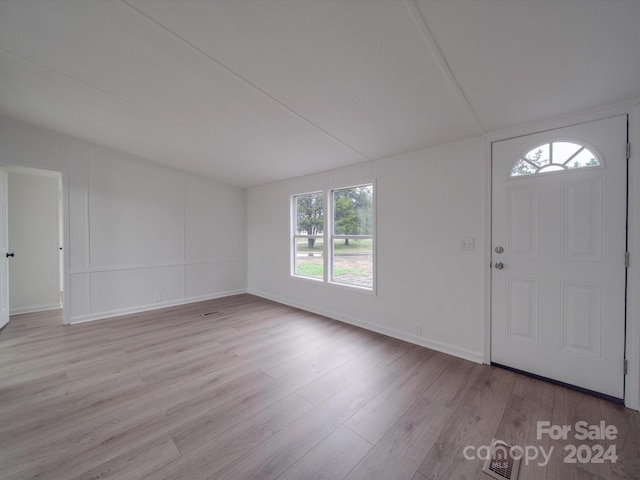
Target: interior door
column 4, row 251
column 558, row 254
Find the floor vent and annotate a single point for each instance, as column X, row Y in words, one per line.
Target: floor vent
column 210, row 314
column 501, row 465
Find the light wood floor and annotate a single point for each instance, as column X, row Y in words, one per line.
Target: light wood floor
column 258, row 390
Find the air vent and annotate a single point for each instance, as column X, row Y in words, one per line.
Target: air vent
column 209, row 314
column 501, row 465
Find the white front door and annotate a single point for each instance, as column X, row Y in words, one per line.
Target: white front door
column 559, row 206
column 4, row 250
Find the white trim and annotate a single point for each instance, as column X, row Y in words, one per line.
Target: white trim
column 302, row 278
column 326, row 225
column 390, row 332
column 293, row 236
column 66, row 241
column 155, row 306
column 35, row 309
column 353, row 288
column 38, row 172
column 486, row 254
column 184, row 233
column 632, row 379
column 563, row 168
column 62, row 173
column 329, row 220
column 561, row 122
column 87, row 193
column 149, row 266
column 328, row 237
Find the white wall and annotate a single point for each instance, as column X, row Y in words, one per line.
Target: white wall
column 426, row 202
column 34, row 272
column 138, row 235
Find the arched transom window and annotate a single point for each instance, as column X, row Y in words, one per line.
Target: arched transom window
column 554, row 157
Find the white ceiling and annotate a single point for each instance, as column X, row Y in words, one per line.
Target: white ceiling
column 253, row 91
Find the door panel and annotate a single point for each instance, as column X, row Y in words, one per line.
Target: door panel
column 558, row 302
column 582, row 221
column 523, row 320
column 581, row 318
column 522, row 223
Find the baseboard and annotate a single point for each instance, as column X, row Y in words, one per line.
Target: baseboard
column 38, row 308
column 470, row 355
column 154, row 306
column 390, row 332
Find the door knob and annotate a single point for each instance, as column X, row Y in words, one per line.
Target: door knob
column 499, row 265
column 10, row 255
column 499, row 249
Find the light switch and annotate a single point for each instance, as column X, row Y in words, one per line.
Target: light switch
column 468, row 243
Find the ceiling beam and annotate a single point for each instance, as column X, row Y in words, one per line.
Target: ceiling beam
column 430, row 40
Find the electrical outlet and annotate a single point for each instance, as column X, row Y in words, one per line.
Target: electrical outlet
column 157, row 297
column 468, row 243
column 419, row 329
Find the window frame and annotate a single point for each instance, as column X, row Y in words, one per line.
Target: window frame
column 327, row 236
column 295, row 235
column 332, row 237
column 562, row 167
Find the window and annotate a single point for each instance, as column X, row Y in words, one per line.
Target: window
column 554, row 157
column 308, row 239
column 352, row 236
column 336, row 248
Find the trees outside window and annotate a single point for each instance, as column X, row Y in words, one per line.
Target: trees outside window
column 308, row 239
column 338, row 248
column 554, row 157
column 352, row 236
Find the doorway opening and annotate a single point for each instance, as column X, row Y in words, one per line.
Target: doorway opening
column 34, row 231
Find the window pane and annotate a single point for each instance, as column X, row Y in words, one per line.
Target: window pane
column 563, row 151
column 585, row 158
column 566, row 155
column 353, row 261
column 309, row 214
column 523, row 168
column 539, row 156
column 309, row 261
column 551, row 168
column 353, row 211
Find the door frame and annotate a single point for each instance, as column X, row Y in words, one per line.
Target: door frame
column 65, row 265
column 632, row 333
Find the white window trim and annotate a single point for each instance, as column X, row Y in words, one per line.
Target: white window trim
column 331, row 237
column 564, row 170
column 293, row 220
column 328, row 237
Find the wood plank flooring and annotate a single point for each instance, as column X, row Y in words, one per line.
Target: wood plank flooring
column 258, row 390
